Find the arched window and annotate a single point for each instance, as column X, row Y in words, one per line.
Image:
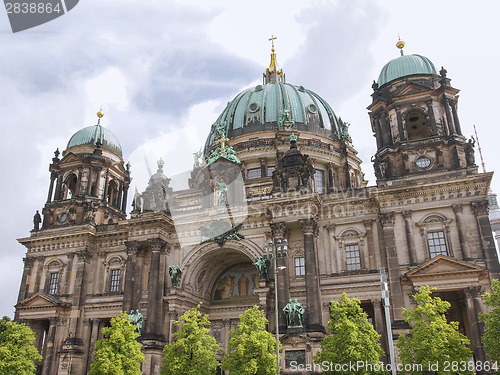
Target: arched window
column 112, row 193
column 416, row 125
column 70, row 186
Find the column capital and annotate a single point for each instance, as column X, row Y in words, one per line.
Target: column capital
column 309, row 226
column 457, row 208
column 70, row 255
column 132, row 247
column 28, row 262
column 278, row 229
column 407, row 214
column 368, row 224
column 158, row 244
column 331, row 228
column 83, row 256
column 473, row 292
column 480, row 208
column 386, row 219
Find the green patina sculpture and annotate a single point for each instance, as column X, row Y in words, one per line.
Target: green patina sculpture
column 222, row 150
column 197, row 158
column 294, row 313
column 220, row 231
column 285, row 119
column 262, row 263
column 344, row 130
column 136, row 318
column 221, row 189
column 175, row 273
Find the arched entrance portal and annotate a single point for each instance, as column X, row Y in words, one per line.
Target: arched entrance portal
column 224, row 279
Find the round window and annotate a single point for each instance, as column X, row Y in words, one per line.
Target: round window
column 423, row 162
column 254, row 107
column 312, row 108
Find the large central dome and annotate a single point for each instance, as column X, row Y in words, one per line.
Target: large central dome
column 276, row 104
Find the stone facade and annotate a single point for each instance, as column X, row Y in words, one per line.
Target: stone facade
column 425, row 221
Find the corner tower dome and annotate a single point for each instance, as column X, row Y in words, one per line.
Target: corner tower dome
column 405, row 65
column 277, row 104
column 85, row 140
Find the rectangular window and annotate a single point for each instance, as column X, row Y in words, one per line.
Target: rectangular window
column 300, row 266
column 54, row 282
column 254, row 173
column 437, row 243
column 270, row 170
column 115, row 281
column 319, row 181
column 353, row 258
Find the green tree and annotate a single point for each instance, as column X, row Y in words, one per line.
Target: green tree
column 17, row 353
column 251, row 349
column 352, row 339
column 491, row 337
column 432, row 341
column 192, row 351
column 118, row 353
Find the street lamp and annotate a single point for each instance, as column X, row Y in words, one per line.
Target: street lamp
column 277, row 249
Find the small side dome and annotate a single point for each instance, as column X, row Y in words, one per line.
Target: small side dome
column 405, row 65
column 91, row 134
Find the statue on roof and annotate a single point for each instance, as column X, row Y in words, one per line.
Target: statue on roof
column 37, row 220
column 197, row 158
column 221, row 189
column 175, row 273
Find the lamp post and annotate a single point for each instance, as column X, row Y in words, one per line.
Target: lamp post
column 277, row 249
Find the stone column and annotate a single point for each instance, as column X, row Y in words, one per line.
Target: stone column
column 263, row 167
column 385, row 130
column 124, row 201
column 410, row 240
column 48, row 349
column 432, row 119
column 480, row 209
column 128, row 291
column 94, row 334
column 152, row 327
column 313, row 293
column 449, row 118
column 370, row 244
column 401, row 129
column 28, row 266
column 118, row 201
column 58, row 192
column 453, row 105
column 379, row 322
column 473, row 296
column 83, row 257
column 332, row 250
column 282, row 284
column 396, row 291
column 89, row 181
column 106, row 182
column 331, row 186
column 376, row 129
column 87, row 338
column 39, row 270
column 53, row 176
column 78, row 188
column 67, row 274
column 97, row 181
column 458, row 209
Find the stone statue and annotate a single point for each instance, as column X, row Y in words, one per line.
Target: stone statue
column 136, row 319
column 221, row 188
column 136, row 202
column 197, row 158
column 175, row 275
column 263, row 263
column 37, row 219
column 294, row 313
column 469, row 152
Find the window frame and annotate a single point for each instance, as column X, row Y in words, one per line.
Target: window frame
column 53, row 288
column 319, row 172
column 301, row 267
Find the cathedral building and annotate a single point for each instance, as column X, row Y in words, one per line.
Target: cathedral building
column 277, row 213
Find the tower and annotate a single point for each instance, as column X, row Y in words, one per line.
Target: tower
column 415, row 121
column 89, row 184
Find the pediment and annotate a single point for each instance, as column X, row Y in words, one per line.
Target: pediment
column 412, row 88
column 69, row 158
column 39, row 300
column 444, row 266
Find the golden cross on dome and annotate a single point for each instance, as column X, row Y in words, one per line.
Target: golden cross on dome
column 272, row 38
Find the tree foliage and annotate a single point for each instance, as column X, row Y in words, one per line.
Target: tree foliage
column 352, row 338
column 17, row 353
column 491, row 337
column 192, row 351
column 118, row 353
column 251, row 349
column 432, row 339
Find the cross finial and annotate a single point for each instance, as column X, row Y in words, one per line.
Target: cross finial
column 272, row 38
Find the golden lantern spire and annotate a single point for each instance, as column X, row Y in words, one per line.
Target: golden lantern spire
column 100, row 115
column 273, row 73
column 400, row 44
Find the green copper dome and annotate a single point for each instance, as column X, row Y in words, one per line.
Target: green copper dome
column 273, row 105
column 405, row 65
column 91, row 134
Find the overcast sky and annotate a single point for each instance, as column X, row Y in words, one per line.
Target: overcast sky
column 164, row 70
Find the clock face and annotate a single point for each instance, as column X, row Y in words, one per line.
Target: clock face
column 423, row 162
column 63, row 217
